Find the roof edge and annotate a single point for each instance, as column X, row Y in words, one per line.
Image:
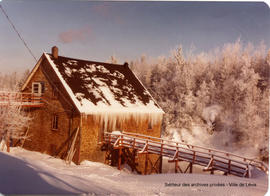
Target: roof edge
column 61, row 79
column 33, row 71
column 147, row 91
column 96, row 62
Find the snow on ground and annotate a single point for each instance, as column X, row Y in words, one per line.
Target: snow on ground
column 26, row 172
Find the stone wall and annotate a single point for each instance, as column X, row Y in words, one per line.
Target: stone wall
column 90, row 147
column 42, row 137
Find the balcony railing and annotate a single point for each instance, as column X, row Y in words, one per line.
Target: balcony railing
column 20, row 99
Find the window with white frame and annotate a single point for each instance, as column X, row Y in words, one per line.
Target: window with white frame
column 38, row 88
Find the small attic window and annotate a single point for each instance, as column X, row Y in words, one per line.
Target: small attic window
column 38, row 88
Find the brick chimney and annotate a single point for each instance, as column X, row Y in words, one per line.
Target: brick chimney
column 55, row 52
column 126, row 65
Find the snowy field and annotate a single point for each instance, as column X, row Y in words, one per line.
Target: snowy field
column 26, row 172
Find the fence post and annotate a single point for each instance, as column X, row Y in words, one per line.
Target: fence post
column 146, row 158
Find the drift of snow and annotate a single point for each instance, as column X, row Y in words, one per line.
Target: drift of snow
column 117, row 132
column 26, row 172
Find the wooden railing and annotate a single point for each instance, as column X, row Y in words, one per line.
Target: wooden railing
column 211, row 159
column 20, row 99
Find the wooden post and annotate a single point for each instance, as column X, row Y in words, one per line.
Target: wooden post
column 161, row 157
column 211, row 165
column 160, row 164
column 8, row 141
column 176, row 158
column 119, row 158
column 190, row 168
column 25, row 137
column 176, row 166
column 120, row 152
column 146, row 158
column 133, row 146
column 133, row 158
column 72, row 150
column 247, row 172
column 229, row 167
column 146, row 163
column 193, row 161
column 161, row 149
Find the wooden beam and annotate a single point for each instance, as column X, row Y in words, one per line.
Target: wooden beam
column 145, row 148
column 247, row 174
column 175, row 156
column 72, row 148
column 176, row 166
column 116, row 142
column 64, row 143
column 154, row 166
column 8, row 141
column 119, row 158
column 229, row 167
column 160, row 164
column 209, row 166
column 146, row 163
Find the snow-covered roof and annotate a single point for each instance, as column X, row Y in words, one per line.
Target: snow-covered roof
column 97, row 87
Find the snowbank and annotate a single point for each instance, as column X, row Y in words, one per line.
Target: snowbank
column 26, row 172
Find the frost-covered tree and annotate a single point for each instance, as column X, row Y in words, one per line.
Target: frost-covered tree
column 224, row 92
column 13, row 121
column 113, row 59
column 12, row 81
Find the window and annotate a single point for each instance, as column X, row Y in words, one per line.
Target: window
column 55, row 120
column 38, row 88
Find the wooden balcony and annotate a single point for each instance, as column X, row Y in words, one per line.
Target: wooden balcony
column 20, row 99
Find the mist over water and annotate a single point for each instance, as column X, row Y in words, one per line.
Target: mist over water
column 218, row 134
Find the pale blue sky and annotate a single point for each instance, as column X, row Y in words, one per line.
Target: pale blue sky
column 97, row 30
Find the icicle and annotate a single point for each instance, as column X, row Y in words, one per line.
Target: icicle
column 109, row 120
